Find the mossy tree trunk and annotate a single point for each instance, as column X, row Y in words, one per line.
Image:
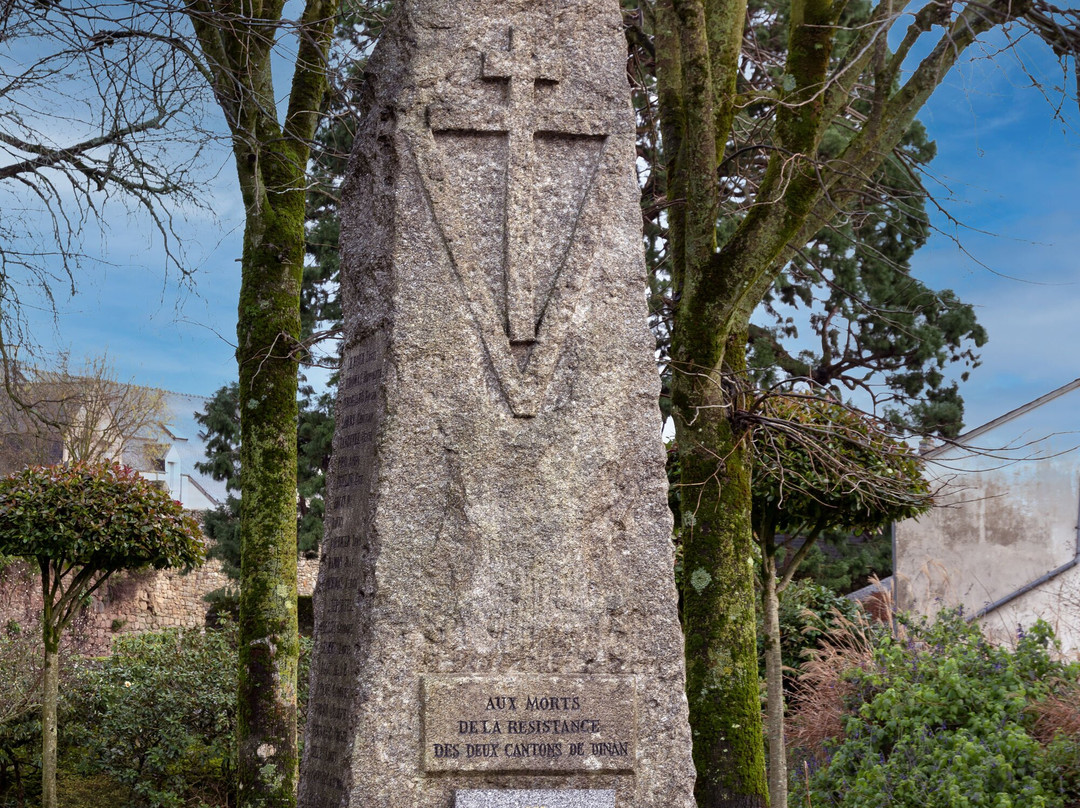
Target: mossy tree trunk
column 717, row 287
column 237, row 41
column 718, row 592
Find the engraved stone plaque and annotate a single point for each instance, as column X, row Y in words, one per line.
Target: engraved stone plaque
column 520, row 798
column 530, row 723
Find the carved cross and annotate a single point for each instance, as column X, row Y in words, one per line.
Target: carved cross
column 522, row 68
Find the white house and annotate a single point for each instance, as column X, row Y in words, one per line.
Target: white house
column 182, row 449
column 1003, row 541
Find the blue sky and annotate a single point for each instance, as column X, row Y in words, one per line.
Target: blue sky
column 1005, row 166
column 157, row 328
column 1010, row 173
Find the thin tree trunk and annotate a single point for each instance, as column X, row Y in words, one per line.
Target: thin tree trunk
column 773, row 583
column 774, row 679
column 50, row 636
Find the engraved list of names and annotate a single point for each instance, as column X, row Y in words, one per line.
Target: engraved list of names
column 341, row 576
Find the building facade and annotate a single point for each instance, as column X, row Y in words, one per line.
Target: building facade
column 1002, row 541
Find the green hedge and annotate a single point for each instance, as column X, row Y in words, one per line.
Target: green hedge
column 942, row 720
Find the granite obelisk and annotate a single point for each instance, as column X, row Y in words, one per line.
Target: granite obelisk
column 496, row 613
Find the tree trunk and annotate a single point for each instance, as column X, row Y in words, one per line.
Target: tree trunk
column 271, row 165
column 50, row 693
column 268, row 329
column 718, row 589
column 716, row 291
column 774, row 678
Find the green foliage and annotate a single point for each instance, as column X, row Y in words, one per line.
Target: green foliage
column 821, row 465
column 81, row 791
column 81, row 522
column 358, row 28
column 97, row 516
column 845, row 311
column 938, row 721
column 808, row 612
column 222, row 527
column 221, row 434
column 874, row 325
column 159, row 716
column 844, row 562
column 303, row 681
column 21, row 661
column 20, row 671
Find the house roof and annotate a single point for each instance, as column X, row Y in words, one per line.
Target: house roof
column 970, row 435
column 191, row 449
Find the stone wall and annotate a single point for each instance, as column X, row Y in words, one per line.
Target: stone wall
column 307, row 572
column 130, row 602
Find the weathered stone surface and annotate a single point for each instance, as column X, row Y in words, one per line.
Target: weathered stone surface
column 497, row 503
column 568, row 798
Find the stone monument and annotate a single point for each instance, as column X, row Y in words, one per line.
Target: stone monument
column 496, row 619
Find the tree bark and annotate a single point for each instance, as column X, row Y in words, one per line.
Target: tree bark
column 267, row 329
column 774, row 677
column 271, row 162
column 696, row 63
column 718, row 589
column 49, row 696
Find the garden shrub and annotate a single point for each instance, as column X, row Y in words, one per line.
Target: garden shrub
column 159, row 717
column 152, row 726
column 941, row 720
